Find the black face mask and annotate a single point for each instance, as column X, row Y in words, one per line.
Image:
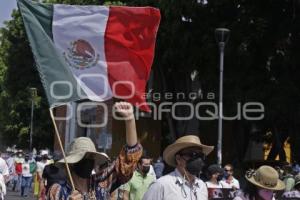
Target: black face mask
column 84, row 168
column 44, row 157
column 145, row 169
column 194, row 166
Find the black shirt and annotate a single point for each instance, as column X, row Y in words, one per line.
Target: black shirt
column 53, row 175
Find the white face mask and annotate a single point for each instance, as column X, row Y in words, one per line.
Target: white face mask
column 265, row 194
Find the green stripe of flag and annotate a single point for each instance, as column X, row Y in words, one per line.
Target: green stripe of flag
column 51, row 65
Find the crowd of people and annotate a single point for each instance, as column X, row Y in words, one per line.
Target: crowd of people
column 25, row 173
column 134, row 175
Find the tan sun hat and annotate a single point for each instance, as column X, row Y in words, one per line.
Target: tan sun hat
column 83, row 147
column 182, row 143
column 265, row 177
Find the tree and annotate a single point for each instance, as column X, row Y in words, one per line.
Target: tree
column 260, row 63
column 18, row 75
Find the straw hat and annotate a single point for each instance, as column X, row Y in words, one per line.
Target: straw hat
column 265, row 177
column 182, row 143
column 83, row 147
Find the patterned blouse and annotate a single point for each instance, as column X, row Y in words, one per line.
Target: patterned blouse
column 103, row 184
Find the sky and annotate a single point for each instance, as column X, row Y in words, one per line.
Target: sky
column 6, row 7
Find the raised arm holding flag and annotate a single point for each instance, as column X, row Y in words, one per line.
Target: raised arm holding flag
column 82, row 157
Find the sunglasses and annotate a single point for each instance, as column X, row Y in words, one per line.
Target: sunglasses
column 193, row 154
column 228, row 170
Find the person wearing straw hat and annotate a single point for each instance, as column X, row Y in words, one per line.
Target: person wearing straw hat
column 295, row 193
column 82, row 158
column 187, row 155
column 261, row 184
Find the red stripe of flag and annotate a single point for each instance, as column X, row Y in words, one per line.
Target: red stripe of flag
column 129, row 49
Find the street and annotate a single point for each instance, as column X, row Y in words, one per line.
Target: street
column 16, row 196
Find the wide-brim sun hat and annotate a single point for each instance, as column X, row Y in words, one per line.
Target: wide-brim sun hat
column 83, row 147
column 265, row 177
column 183, row 143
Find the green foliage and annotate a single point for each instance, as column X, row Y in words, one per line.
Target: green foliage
column 261, row 58
column 17, row 75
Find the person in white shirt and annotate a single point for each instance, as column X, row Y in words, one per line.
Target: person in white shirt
column 4, row 177
column 40, row 165
column 214, row 175
column 12, row 180
column 4, row 169
column 187, row 154
column 2, row 187
column 38, row 179
column 229, row 181
column 26, row 177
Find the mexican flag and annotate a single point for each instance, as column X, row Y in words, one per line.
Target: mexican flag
column 92, row 52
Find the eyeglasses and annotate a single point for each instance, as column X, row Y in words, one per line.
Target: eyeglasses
column 228, row 170
column 193, row 154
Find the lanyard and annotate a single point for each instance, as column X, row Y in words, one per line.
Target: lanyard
column 193, row 189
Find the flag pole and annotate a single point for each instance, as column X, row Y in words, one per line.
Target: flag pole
column 62, row 149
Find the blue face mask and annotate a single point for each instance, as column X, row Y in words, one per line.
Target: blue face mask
column 226, row 175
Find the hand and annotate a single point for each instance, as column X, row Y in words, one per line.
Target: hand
column 124, row 109
column 75, row 195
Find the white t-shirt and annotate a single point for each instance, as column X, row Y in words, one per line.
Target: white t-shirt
column 210, row 184
column 26, row 170
column 3, row 167
column 2, row 185
column 40, row 166
column 229, row 184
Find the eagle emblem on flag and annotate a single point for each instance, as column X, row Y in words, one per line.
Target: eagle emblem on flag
column 81, row 54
